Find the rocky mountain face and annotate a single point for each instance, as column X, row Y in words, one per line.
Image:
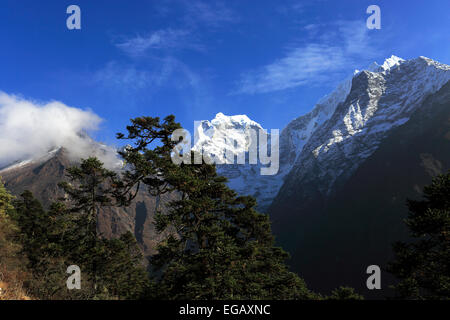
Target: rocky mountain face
column 377, row 102
column 345, row 171
column 347, row 167
column 342, row 204
column 335, row 137
column 234, row 134
column 42, row 175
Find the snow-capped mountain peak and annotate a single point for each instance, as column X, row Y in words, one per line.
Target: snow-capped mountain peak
column 386, row 66
column 24, row 162
column 378, row 101
column 328, row 143
column 231, row 133
column 390, row 63
column 342, row 130
column 234, row 121
column 107, row 154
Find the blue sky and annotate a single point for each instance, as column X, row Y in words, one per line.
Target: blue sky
column 271, row 60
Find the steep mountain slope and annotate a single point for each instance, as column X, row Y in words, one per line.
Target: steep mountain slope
column 346, row 168
column 212, row 137
column 233, row 133
column 342, row 204
column 41, row 176
column 335, row 137
column 377, row 103
column 320, row 185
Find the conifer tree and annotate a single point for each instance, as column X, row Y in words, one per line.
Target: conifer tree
column 7, row 228
column 423, row 266
column 33, row 221
column 344, row 293
column 12, row 262
column 87, row 192
column 121, row 270
column 5, row 199
column 219, row 246
column 116, row 265
column 45, row 236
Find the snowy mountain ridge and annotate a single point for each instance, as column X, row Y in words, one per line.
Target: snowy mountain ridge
column 230, row 133
column 21, row 163
column 326, row 144
column 378, row 101
column 344, row 128
column 107, row 154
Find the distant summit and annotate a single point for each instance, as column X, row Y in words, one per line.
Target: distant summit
column 42, row 175
column 347, row 167
column 342, row 130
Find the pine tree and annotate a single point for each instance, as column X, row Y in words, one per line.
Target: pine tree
column 344, row 293
column 8, row 229
column 32, row 220
column 12, row 262
column 62, row 236
column 45, row 237
column 423, row 266
column 116, row 266
column 219, row 246
column 5, row 199
column 87, row 192
column 121, row 270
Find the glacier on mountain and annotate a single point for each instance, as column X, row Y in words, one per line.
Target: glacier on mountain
column 339, row 133
column 326, row 144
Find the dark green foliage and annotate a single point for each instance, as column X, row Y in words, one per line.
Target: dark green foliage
column 36, row 228
column 423, row 266
column 115, row 266
column 87, row 192
column 91, row 190
column 120, row 267
column 12, row 264
column 219, row 246
column 46, row 241
column 344, row 293
column 55, row 239
column 8, row 230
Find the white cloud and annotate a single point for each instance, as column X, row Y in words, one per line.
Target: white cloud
column 196, row 13
column 299, row 67
column 164, row 39
column 29, row 130
column 123, row 77
column 210, row 13
column 129, row 79
column 335, row 52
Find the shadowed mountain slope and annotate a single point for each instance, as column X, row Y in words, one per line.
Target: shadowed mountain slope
column 333, row 239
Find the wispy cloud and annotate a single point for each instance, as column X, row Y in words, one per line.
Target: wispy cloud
column 209, row 13
column 165, row 39
column 133, row 79
column 296, row 7
column 300, row 66
column 156, row 58
column 119, row 76
column 130, row 78
column 342, row 47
